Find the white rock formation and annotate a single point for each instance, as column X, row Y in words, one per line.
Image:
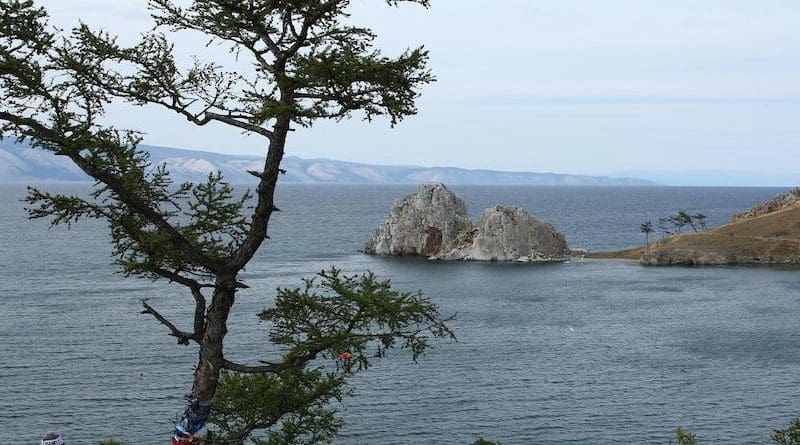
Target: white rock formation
column 433, row 223
column 510, row 234
column 424, row 223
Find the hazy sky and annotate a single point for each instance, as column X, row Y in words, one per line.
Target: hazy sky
column 572, row 86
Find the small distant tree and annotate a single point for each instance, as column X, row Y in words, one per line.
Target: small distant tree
column 685, row 437
column 686, row 219
column 646, row 228
column 663, row 226
column 789, row 436
column 700, row 219
column 679, row 221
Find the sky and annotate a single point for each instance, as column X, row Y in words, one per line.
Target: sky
column 567, row 86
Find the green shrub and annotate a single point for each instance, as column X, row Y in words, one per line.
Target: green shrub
column 789, row 436
column 685, row 437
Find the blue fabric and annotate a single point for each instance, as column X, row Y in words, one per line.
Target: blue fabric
column 193, row 419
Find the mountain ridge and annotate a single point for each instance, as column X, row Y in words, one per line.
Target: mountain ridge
column 713, row 178
column 19, row 163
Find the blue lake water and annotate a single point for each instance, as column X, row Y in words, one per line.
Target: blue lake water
column 585, row 352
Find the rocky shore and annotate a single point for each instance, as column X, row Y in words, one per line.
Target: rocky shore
column 778, row 203
column 433, row 223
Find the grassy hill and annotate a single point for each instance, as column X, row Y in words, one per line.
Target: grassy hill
column 759, row 238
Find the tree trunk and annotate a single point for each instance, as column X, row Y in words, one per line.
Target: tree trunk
column 211, row 357
column 206, row 376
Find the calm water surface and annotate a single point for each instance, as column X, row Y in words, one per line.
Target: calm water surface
column 586, row 352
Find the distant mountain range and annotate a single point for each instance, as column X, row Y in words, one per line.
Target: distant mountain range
column 714, row 178
column 19, row 163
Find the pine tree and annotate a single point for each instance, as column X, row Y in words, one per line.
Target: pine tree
column 646, row 228
column 307, row 65
column 700, row 219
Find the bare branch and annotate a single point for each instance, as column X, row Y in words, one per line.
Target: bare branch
column 199, row 298
column 318, row 96
column 180, row 279
column 183, row 337
column 273, row 367
column 231, row 120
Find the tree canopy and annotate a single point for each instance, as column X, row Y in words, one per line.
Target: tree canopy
column 305, row 64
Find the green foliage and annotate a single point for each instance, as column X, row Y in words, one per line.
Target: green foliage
column 292, row 407
column 685, row 437
column 205, row 214
column 155, row 225
column 307, row 64
column 678, row 221
column 482, row 441
column 332, row 314
column 682, row 219
column 789, row 436
column 359, row 314
column 345, row 79
column 111, row 442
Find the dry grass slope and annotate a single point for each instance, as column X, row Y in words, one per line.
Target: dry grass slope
column 771, row 238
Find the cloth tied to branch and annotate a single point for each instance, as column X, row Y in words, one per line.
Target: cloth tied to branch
column 189, row 429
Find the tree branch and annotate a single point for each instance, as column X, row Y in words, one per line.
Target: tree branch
column 265, row 193
column 21, row 121
column 135, row 203
column 199, row 298
column 183, row 337
column 124, row 195
column 180, row 279
column 189, row 282
column 209, row 116
column 308, row 22
column 298, row 362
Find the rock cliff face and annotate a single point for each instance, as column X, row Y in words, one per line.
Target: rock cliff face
column 695, row 257
column 509, row 234
column 424, row 223
column 433, row 223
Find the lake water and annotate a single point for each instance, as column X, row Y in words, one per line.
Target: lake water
column 585, row 352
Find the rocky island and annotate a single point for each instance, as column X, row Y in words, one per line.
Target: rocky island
column 769, row 233
column 433, row 223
